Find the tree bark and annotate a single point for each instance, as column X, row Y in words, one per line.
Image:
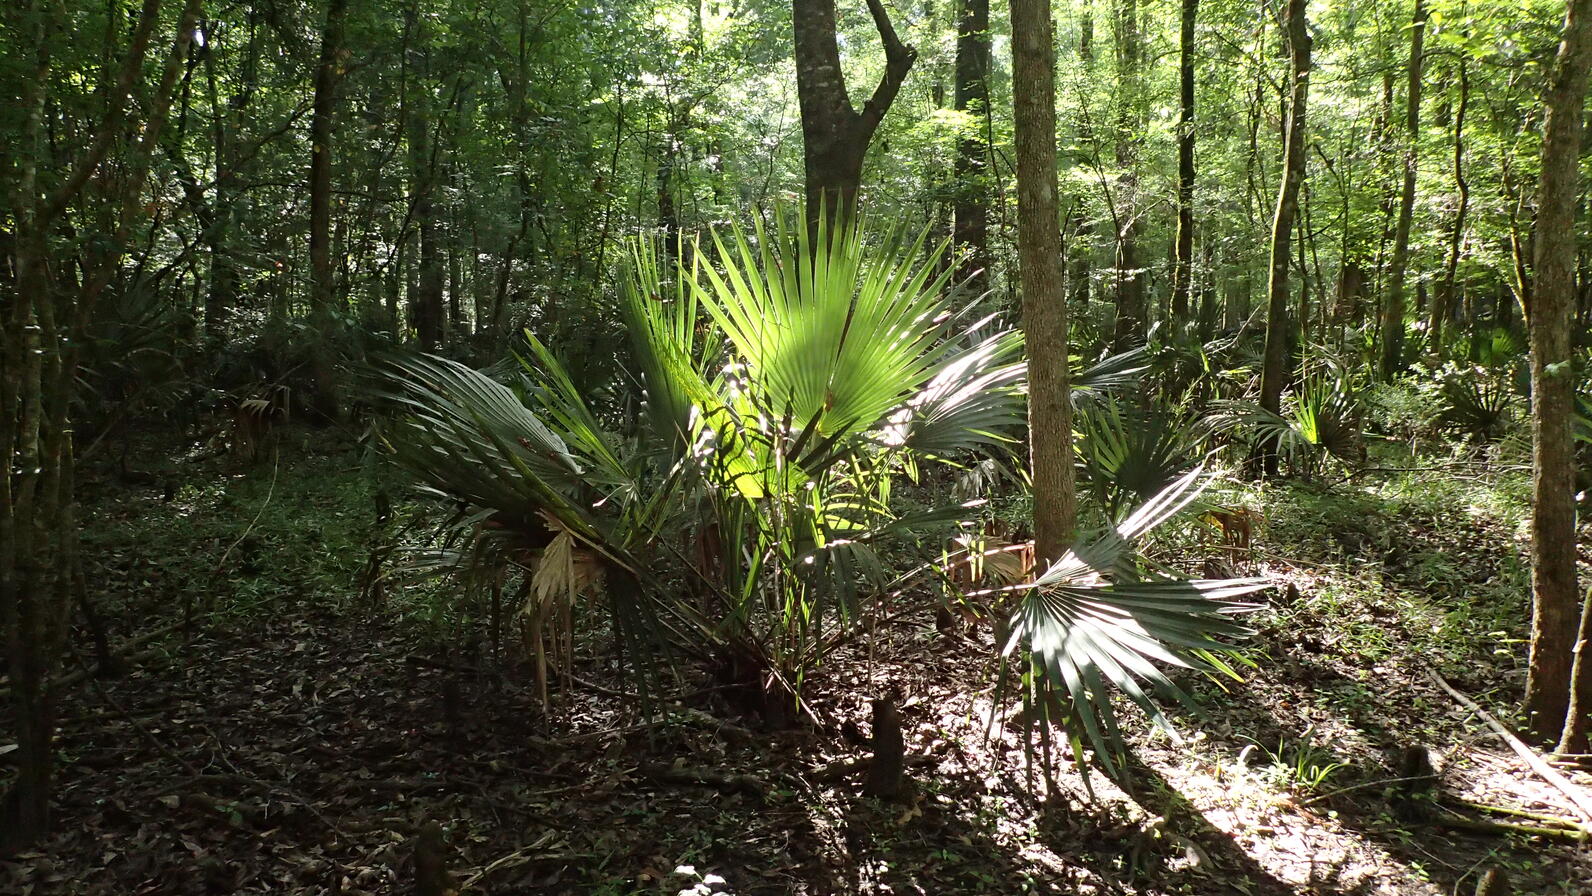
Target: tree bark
column 1549, row 312
column 1131, row 320
column 1576, row 739
column 835, row 136
column 428, row 299
column 1443, row 298
column 1183, row 251
column 1278, row 329
column 328, row 72
column 1044, row 308
column 1392, row 336
column 970, row 230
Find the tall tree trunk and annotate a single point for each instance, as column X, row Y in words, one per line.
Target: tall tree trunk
column 429, row 311
column 222, row 294
column 668, row 213
column 1443, row 299
column 1080, row 253
column 1044, row 308
column 1274, row 366
column 1183, row 251
column 1392, row 337
column 1130, row 280
column 835, row 136
column 1555, row 599
column 323, row 111
column 970, row 231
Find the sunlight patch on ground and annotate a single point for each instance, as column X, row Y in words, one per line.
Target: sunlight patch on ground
column 1290, row 839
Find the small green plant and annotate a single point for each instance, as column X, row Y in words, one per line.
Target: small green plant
column 1319, row 421
column 1474, row 403
column 1303, row 765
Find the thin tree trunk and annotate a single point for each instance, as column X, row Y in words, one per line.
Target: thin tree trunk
column 970, row 230
column 1130, row 280
column 429, row 312
column 1044, row 307
column 1392, row 337
column 1183, row 252
column 1443, row 300
column 1278, row 330
column 1555, row 596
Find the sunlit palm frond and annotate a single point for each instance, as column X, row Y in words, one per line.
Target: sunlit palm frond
column 1108, row 376
column 1093, row 627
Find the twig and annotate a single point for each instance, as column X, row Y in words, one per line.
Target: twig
column 276, row 467
column 705, row 777
column 1361, row 786
column 1577, row 834
column 1548, row 773
column 517, row 857
column 842, row 768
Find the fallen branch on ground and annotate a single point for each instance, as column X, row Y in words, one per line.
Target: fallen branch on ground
column 1577, row 796
column 705, row 777
column 82, row 674
column 842, row 768
column 1576, row 834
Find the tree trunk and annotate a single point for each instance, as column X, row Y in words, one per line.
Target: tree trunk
column 328, row 72
column 1443, row 299
column 1555, row 597
column 1392, row 337
column 1576, row 739
column 1183, row 251
column 1275, row 362
column 429, row 312
column 970, row 230
column 835, row 136
column 1130, row 280
column 1044, row 308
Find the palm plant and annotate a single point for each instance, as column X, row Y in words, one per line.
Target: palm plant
column 1097, row 622
column 1127, row 456
column 785, row 387
column 1475, row 404
column 1320, row 420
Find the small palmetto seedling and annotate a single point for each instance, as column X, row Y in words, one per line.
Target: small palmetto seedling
column 1320, row 420
column 1305, row 765
column 1475, row 404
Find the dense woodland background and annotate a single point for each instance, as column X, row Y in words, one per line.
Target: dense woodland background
column 625, row 447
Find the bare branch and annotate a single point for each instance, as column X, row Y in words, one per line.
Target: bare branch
column 898, row 62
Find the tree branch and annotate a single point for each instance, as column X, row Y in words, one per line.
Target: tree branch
column 898, row 62
column 110, row 128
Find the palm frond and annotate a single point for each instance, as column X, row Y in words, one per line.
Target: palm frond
column 1094, row 627
column 1108, row 376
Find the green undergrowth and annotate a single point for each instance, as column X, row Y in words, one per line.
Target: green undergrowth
column 230, row 538
column 1422, row 564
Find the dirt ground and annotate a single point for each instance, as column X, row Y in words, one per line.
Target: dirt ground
column 299, row 746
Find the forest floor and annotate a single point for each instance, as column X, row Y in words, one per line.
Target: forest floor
column 296, row 736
